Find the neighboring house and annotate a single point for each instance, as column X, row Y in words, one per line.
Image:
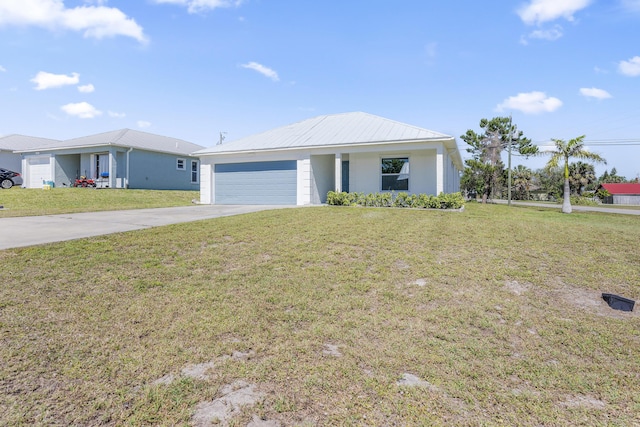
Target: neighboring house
column 622, row 193
column 357, row 152
column 9, row 144
column 118, row 159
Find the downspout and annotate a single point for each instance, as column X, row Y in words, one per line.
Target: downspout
column 127, row 177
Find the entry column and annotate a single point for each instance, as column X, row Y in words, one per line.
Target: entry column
column 338, row 173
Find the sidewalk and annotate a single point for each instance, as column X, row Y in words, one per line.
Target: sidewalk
column 623, row 211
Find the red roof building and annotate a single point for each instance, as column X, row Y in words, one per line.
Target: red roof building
column 627, row 193
column 623, row 188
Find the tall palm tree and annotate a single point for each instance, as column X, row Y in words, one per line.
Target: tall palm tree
column 564, row 151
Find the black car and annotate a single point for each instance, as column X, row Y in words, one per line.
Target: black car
column 9, row 178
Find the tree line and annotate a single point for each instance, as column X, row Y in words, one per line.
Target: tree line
column 485, row 175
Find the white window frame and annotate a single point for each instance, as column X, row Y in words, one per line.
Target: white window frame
column 390, row 157
column 181, row 164
column 196, row 171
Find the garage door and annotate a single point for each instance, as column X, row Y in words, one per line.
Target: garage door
column 39, row 169
column 256, row 183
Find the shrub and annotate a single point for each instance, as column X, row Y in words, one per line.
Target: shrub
column 582, row 201
column 401, row 200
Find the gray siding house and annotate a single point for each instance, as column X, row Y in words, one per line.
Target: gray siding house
column 357, row 152
column 119, row 159
column 10, row 144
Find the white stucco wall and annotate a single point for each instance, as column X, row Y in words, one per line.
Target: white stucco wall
column 322, row 177
column 207, row 184
column 365, row 171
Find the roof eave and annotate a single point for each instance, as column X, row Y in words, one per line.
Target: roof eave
column 315, row 147
column 107, row 144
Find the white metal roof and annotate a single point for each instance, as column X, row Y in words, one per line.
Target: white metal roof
column 22, row 142
column 126, row 138
column 335, row 129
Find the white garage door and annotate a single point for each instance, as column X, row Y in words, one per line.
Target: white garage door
column 38, row 170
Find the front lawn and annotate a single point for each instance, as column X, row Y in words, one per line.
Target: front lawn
column 31, row 201
column 328, row 316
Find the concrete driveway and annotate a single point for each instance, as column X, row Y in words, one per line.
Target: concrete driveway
column 36, row 230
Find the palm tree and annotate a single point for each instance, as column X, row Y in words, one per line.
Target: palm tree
column 522, row 181
column 564, row 151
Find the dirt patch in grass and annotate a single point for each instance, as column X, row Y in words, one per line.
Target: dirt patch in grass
column 234, row 397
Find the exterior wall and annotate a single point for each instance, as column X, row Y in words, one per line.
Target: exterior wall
column 11, row 161
column 157, row 171
column 322, row 177
column 452, row 176
column 626, row 199
column 121, row 170
column 207, row 184
column 304, row 182
column 66, row 169
column 365, row 171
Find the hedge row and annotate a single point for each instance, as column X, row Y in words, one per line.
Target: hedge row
column 400, row 200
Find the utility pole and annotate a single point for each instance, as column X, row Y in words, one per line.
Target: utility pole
column 222, row 137
column 509, row 164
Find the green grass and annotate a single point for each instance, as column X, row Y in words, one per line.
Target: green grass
column 508, row 327
column 27, row 202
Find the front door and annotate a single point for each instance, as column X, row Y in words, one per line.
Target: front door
column 345, row 176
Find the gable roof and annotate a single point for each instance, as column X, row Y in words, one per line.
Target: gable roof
column 622, row 188
column 127, row 138
column 330, row 130
column 17, row 142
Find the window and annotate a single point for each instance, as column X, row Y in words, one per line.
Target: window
column 181, row 164
column 395, row 174
column 194, row 172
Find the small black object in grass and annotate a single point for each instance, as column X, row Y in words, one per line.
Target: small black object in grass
column 619, row 303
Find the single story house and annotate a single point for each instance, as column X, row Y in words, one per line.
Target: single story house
column 355, row 152
column 118, row 159
column 627, row 193
column 9, row 144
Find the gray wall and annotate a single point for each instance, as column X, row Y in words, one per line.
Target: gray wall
column 149, row 170
column 11, row 161
column 67, row 168
column 626, row 199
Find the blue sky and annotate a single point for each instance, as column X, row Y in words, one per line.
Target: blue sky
column 191, row 69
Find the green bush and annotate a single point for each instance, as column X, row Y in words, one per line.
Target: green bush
column 401, row 200
column 582, row 201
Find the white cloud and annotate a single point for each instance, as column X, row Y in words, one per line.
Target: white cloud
column 541, row 11
column 530, row 103
column 81, row 110
column 631, row 67
column 265, row 71
column 96, row 21
column 86, row 88
column 44, row 80
column 2, row 69
column 551, row 34
column 196, row 6
column 142, row 124
column 116, row 115
column 594, row 93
